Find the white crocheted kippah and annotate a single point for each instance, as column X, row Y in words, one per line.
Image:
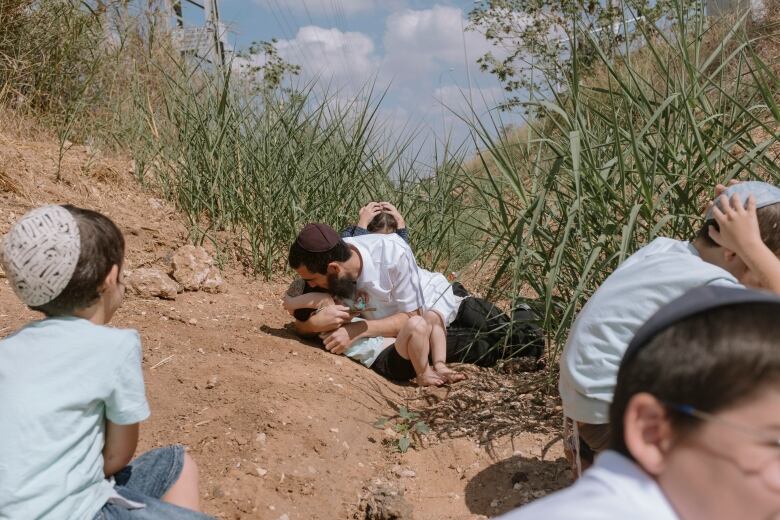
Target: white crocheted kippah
column 40, row 254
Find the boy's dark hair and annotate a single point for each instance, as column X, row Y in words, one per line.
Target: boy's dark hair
column 383, row 223
column 102, row 247
column 318, row 262
column 709, row 361
column 768, row 224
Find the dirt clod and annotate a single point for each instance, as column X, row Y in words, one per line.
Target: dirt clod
column 385, row 502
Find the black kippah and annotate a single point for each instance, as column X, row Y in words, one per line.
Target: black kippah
column 317, row 238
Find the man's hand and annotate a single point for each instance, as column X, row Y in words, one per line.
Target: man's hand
column 336, row 341
column 332, row 317
column 389, row 208
column 327, row 319
column 739, row 231
column 339, row 340
column 367, row 213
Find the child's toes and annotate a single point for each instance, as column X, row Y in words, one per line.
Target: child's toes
column 454, row 377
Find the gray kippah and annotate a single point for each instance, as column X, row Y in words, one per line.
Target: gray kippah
column 765, row 194
column 40, row 254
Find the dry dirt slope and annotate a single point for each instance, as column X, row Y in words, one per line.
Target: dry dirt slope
column 287, row 430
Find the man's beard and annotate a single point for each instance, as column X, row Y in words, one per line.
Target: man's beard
column 343, row 288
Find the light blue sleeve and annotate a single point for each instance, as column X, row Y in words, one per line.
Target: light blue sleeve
column 726, row 282
column 127, row 404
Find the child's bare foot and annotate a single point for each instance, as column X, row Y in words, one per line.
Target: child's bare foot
column 447, row 374
column 430, row 378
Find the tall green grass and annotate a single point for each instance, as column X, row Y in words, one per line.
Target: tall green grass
column 260, row 167
column 620, row 157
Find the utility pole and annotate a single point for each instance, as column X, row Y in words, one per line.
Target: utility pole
column 205, row 41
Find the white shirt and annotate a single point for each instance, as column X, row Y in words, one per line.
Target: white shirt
column 391, row 281
column 615, row 488
column 650, row 278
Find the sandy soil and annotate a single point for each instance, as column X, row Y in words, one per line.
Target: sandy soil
column 281, row 428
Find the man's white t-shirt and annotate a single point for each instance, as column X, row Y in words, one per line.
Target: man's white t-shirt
column 650, row 278
column 391, row 281
column 615, row 488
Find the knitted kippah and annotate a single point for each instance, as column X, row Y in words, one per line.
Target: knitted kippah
column 40, row 254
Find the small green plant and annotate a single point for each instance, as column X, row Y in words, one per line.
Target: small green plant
column 407, row 424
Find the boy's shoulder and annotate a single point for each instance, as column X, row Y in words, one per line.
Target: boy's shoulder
column 75, row 330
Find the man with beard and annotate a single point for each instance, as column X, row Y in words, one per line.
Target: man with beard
column 380, row 279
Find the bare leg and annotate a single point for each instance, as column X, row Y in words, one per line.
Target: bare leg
column 413, row 343
column 439, row 348
column 184, row 492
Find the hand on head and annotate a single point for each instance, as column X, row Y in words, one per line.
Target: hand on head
column 389, row 208
column 368, row 212
column 372, row 209
column 737, row 223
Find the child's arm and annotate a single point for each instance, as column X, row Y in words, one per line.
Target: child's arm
column 740, row 233
column 311, row 300
column 118, row 450
column 354, row 231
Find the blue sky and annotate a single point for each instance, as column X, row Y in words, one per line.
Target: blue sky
column 416, row 48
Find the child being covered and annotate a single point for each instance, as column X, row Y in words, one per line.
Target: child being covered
column 301, row 305
column 378, row 217
column 72, row 387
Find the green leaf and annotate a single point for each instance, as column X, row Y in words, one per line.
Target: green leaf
column 421, row 427
column 403, row 444
column 381, row 423
column 403, row 412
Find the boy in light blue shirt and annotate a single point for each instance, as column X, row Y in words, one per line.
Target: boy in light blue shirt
column 736, row 247
column 72, row 388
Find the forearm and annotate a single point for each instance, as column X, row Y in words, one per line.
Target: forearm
column 765, row 265
column 119, row 447
column 314, row 325
column 388, row 327
column 309, row 301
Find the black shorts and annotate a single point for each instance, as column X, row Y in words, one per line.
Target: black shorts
column 391, row 365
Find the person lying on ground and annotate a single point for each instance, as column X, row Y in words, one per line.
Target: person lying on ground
column 694, row 418
column 434, row 347
column 742, row 253
column 375, row 217
column 378, row 217
column 72, row 387
column 381, row 271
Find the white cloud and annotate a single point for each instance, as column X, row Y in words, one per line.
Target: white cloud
column 418, row 41
column 335, row 58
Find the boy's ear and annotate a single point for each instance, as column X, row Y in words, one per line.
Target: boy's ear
column 112, row 278
column 648, row 432
column 729, row 255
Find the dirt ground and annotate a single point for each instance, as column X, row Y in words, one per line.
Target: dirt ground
column 280, row 428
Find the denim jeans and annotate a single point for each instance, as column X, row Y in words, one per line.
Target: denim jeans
column 146, row 479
